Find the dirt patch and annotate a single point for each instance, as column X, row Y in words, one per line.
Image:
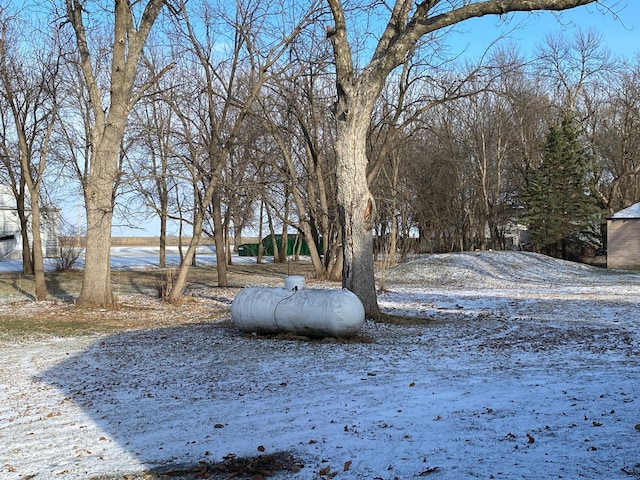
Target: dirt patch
column 256, row 468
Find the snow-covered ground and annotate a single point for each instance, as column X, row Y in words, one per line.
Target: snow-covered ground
column 528, row 367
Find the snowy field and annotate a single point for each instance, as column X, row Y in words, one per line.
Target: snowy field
column 525, row 367
column 131, row 258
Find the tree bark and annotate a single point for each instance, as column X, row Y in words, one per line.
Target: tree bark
column 220, row 240
column 162, row 259
column 356, row 207
column 99, row 204
column 27, row 258
column 260, row 233
column 38, row 259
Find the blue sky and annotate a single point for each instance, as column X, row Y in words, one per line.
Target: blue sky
column 620, row 35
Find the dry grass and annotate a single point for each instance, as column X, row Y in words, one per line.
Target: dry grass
column 139, row 303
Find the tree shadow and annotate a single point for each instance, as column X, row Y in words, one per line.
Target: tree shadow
column 16, row 284
column 167, row 397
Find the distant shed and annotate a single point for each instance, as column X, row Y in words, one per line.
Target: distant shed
column 623, row 238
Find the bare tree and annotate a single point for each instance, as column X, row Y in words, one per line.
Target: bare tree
column 294, row 111
column 110, row 108
column 154, row 165
column 441, row 183
column 615, row 137
column 28, row 83
column 292, row 181
column 569, row 65
column 241, row 186
column 403, row 109
column 358, row 87
column 259, row 37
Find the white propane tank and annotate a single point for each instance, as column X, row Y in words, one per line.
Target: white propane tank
column 296, row 309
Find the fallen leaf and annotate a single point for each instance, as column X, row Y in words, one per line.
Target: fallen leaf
column 218, row 425
column 596, row 424
column 325, row 470
column 347, row 466
column 428, row 471
column 412, row 384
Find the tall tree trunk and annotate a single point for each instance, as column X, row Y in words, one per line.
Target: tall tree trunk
column 38, row 260
column 175, row 295
column 27, row 258
column 219, row 238
column 260, row 233
column 164, row 202
column 393, row 233
column 356, row 206
column 334, row 259
column 237, row 236
column 316, row 261
column 356, row 97
column 23, row 218
column 272, row 234
column 197, row 200
column 227, row 238
column 163, row 240
column 284, row 239
column 98, row 196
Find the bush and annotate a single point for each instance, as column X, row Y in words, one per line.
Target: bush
column 70, row 252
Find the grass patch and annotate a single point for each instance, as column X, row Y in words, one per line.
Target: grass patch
column 29, row 326
column 137, row 294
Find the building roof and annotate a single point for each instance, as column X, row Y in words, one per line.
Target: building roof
column 630, row 212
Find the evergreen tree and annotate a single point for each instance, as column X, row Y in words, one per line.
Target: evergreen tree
column 562, row 213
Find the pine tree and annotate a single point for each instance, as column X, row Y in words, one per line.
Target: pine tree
column 561, row 211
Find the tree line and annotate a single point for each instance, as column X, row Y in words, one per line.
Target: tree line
column 311, row 117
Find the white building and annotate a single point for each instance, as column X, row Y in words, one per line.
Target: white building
column 11, row 236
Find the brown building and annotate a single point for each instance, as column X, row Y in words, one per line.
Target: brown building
column 623, row 238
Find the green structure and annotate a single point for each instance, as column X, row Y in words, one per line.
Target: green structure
column 248, row 249
column 295, row 244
